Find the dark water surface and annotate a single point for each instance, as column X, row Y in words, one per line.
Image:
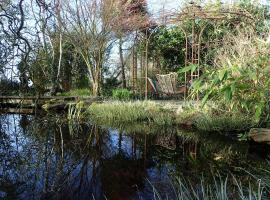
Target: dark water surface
column 44, row 158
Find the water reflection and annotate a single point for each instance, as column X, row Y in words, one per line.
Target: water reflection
column 47, row 159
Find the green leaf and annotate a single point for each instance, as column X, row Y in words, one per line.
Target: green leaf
column 242, row 86
column 222, row 74
column 228, row 93
column 259, row 109
column 233, row 87
column 193, row 68
column 252, row 75
column 197, row 84
column 245, row 106
column 206, row 97
column 188, row 68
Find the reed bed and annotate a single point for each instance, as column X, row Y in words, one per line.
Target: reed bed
column 117, row 113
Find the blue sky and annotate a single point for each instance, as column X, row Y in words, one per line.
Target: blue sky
column 156, row 5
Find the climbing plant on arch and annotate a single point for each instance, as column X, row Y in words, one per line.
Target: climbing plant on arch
column 194, row 20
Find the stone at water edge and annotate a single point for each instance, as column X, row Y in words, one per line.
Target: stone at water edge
column 260, row 135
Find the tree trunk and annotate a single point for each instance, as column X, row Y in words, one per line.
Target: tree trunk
column 95, row 89
column 124, row 82
column 96, row 83
column 135, row 68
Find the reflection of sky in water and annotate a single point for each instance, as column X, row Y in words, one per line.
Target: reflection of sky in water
column 39, row 166
column 11, row 124
column 34, row 163
column 125, row 146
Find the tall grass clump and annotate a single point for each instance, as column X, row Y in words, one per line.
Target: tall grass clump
column 217, row 189
column 212, row 117
column 75, row 111
column 117, row 113
column 224, row 122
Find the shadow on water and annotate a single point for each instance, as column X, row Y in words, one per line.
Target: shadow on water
column 44, row 158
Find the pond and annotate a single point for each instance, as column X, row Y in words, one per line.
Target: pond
column 47, row 158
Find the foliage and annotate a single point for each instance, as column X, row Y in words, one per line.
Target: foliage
column 8, row 87
column 121, row 94
column 74, row 72
column 41, row 70
column 109, row 84
column 241, row 74
column 95, row 41
column 43, row 67
column 167, row 46
column 77, row 92
column 119, row 113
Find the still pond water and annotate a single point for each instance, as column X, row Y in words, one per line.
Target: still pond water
column 45, row 158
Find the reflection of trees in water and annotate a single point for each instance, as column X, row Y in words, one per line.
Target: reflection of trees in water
column 124, row 172
column 50, row 162
column 29, row 164
column 45, row 159
column 11, row 161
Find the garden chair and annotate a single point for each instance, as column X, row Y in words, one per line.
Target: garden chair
column 167, row 84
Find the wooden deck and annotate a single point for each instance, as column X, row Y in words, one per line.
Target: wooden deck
column 27, row 104
column 26, row 111
column 30, row 101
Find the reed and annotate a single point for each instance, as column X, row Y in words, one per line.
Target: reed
column 117, row 113
column 75, row 111
column 219, row 189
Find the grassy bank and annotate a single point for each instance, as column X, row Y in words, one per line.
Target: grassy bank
column 121, row 113
column 209, row 118
column 212, row 118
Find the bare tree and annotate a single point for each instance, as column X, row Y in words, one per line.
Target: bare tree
column 87, row 26
column 13, row 43
column 48, row 43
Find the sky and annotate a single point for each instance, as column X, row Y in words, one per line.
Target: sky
column 156, row 5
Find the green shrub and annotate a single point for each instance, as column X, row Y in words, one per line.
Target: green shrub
column 121, row 94
column 77, row 92
column 240, row 76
